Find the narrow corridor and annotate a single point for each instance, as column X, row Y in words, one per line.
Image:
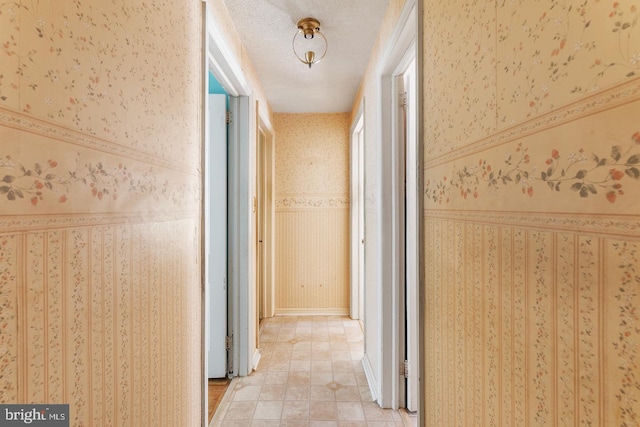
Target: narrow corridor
column 311, row 375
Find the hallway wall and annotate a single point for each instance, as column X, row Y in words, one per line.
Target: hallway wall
column 312, row 213
column 100, row 209
column 532, row 146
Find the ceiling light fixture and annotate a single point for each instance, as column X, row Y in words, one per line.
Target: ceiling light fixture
column 308, row 29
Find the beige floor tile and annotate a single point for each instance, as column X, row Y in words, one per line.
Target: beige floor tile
column 265, row 423
column 321, row 393
column 295, row 410
column 321, row 366
column 348, row 394
column 299, row 378
column 240, row 411
column 247, row 393
column 272, row 392
column 276, row 377
column 345, row 378
column 321, row 355
column 323, row 411
column 268, row 410
column 300, row 365
column 323, row 423
column 350, row 411
column 320, row 346
column 342, row 366
column 297, row 392
column 321, row 378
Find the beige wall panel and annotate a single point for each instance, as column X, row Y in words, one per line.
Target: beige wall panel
column 99, row 209
column 311, row 271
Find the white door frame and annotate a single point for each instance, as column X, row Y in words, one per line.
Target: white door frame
column 268, row 300
column 220, row 60
column 391, row 190
column 357, row 215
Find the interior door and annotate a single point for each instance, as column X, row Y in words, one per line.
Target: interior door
column 216, row 231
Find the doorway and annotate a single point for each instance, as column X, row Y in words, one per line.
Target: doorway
column 407, row 137
column 357, row 218
column 265, row 222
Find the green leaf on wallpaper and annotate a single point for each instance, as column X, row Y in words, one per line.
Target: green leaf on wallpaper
column 615, row 152
column 38, row 168
column 633, row 172
column 633, row 160
column 631, row 74
column 550, row 184
column 577, row 186
column 584, row 192
column 11, row 195
column 19, row 193
column 581, row 174
column 587, row 24
column 4, row 189
column 48, row 185
column 8, row 179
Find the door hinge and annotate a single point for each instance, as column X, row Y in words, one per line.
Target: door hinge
column 228, row 342
column 404, row 369
column 228, row 117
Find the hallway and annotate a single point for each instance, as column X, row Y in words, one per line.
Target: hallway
column 310, row 374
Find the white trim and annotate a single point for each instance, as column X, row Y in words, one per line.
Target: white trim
column 355, row 206
column 390, row 273
column 256, row 359
column 371, row 378
column 222, row 62
column 312, row 312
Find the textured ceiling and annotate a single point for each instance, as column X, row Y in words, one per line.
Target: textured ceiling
column 267, row 27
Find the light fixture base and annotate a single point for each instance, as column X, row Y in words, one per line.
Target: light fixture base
column 309, row 26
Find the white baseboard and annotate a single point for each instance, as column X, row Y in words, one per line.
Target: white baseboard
column 312, row 312
column 371, row 378
column 255, row 359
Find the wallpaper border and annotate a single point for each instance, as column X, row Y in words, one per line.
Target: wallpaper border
column 606, row 225
column 307, row 201
column 12, row 224
column 26, row 123
column 601, row 101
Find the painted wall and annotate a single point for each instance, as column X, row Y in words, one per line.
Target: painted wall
column 100, row 209
column 532, row 207
column 312, row 212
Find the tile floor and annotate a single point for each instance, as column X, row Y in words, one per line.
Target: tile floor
column 311, row 375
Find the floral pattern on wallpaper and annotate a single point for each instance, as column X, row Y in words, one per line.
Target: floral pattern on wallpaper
column 79, row 64
column 626, row 343
column 467, row 57
column 582, row 174
column 47, row 180
column 554, row 52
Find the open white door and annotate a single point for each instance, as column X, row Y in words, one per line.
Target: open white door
column 216, row 236
column 407, row 86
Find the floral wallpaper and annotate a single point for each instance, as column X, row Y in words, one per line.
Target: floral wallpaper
column 312, row 212
column 532, row 224
column 99, row 190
